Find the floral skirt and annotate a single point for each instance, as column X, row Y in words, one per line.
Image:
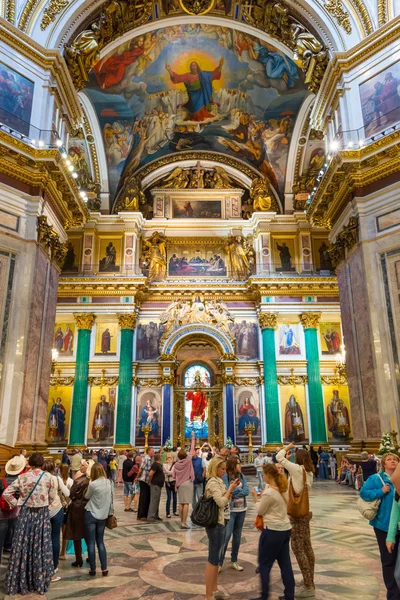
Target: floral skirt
column 30, row 567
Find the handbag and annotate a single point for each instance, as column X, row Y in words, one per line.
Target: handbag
column 259, row 523
column 298, row 504
column 205, row 513
column 370, row 509
column 111, row 522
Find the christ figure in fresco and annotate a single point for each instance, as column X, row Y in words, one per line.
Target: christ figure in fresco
column 198, row 85
column 199, row 404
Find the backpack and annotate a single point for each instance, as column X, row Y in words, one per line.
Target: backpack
column 198, row 470
column 4, row 506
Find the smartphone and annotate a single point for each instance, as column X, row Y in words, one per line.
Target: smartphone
column 257, row 490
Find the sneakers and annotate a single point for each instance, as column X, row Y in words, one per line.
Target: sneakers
column 236, row 566
column 304, row 592
column 221, row 594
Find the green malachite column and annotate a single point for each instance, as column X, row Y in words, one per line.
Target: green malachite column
column 273, row 428
column 77, row 435
column 315, row 394
column 127, row 324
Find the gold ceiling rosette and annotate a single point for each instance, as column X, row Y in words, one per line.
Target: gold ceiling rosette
column 196, row 7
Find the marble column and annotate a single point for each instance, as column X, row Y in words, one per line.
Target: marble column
column 309, row 321
column 273, row 427
column 168, row 380
column 127, row 323
column 77, row 436
column 230, row 413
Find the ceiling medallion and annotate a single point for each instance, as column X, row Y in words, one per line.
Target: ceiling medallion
column 196, row 7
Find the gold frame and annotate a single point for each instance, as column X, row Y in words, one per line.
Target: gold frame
column 216, row 393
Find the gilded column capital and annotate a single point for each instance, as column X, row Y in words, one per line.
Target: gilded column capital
column 85, row 320
column 127, row 320
column 310, row 320
column 268, row 320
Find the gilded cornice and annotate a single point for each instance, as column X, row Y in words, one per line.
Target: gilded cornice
column 343, row 62
column 50, row 60
column 310, row 320
column 127, row 320
column 26, row 13
column 43, row 168
column 363, row 14
column 382, row 12
column 10, row 10
column 268, row 320
column 85, row 320
column 350, row 170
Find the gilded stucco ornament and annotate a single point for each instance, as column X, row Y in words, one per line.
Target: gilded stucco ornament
column 53, row 9
column 268, row 320
column 240, row 257
column 154, row 256
column 336, row 9
column 50, row 241
column 85, row 320
column 196, row 7
column 260, row 195
column 197, row 177
column 131, row 197
column 345, row 241
column 310, row 320
column 127, row 320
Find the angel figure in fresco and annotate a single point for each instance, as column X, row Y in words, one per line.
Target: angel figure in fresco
column 337, row 417
column 288, row 343
column 198, row 85
column 238, row 262
column 294, row 421
column 104, row 419
column 57, row 419
column 248, row 414
column 154, row 250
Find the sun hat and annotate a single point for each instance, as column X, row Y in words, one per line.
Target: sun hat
column 15, row 465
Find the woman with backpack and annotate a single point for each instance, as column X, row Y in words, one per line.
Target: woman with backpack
column 274, row 542
column 238, row 509
column 216, row 489
column 301, row 477
column 380, row 487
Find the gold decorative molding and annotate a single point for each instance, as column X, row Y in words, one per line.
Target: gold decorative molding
column 196, row 7
column 310, row 320
column 142, row 382
column 168, row 379
column 127, row 320
column 268, row 320
column 167, row 358
column 228, row 357
column 58, row 381
column 249, row 381
column 102, row 381
column 228, row 379
column 363, row 15
column 334, row 379
column 28, row 9
column 50, row 13
column 382, row 12
column 50, row 241
column 84, row 320
column 336, row 9
column 10, row 11
column 292, row 379
column 345, row 241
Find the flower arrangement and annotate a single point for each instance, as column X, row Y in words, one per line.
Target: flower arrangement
column 387, row 444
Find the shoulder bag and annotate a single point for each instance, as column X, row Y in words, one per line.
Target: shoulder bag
column 205, row 513
column 298, row 504
column 369, row 510
column 111, row 522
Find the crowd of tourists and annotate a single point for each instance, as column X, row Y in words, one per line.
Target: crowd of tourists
column 51, row 509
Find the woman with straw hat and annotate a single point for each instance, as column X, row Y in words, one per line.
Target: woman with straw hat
column 75, row 528
column 30, row 568
column 8, row 518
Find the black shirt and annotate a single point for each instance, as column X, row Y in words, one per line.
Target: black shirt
column 368, row 468
column 126, row 467
column 158, row 477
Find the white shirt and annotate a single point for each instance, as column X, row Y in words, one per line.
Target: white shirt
column 295, row 472
column 273, row 509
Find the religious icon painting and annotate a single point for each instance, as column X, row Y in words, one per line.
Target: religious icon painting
column 337, row 412
column 147, row 340
column 106, row 339
column 63, row 342
column 16, row 99
column 247, row 416
column 73, row 256
column 246, row 335
column 293, row 413
column 289, row 339
column 284, row 253
column 149, row 417
column 190, row 260
column 322, row 259
column 196, row 379
column 58, row 415
column 330, row 338
column 196, row 209
column 380, row 99
column 101, row 416
column 109, row 255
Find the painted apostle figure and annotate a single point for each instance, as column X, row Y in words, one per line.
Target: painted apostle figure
column 337, row 417
column 294, row 421
column 104, row 418
column 57, row 419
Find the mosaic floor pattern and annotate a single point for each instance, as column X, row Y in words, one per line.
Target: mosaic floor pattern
column 162, row 562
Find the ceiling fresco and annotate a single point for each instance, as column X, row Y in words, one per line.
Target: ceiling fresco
column 196, row 87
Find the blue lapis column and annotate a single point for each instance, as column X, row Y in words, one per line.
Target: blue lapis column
column 168, row 380
column 228, row 379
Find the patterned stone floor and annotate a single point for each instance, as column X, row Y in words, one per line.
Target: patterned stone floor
column 162, row 562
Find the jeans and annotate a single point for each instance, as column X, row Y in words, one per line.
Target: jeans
column 144, row 500
column 234, row 530
column 56, row 525
column 388, row 561
column 260, row 480
column 216, row 539
column 323, row 470
column 197, row 493
column 171, row 495
column 6, row 526
column 155, row 495
column 274, row 545
column 113, row 473
column 95, row 537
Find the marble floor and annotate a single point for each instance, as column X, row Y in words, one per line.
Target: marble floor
column 162, row 562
